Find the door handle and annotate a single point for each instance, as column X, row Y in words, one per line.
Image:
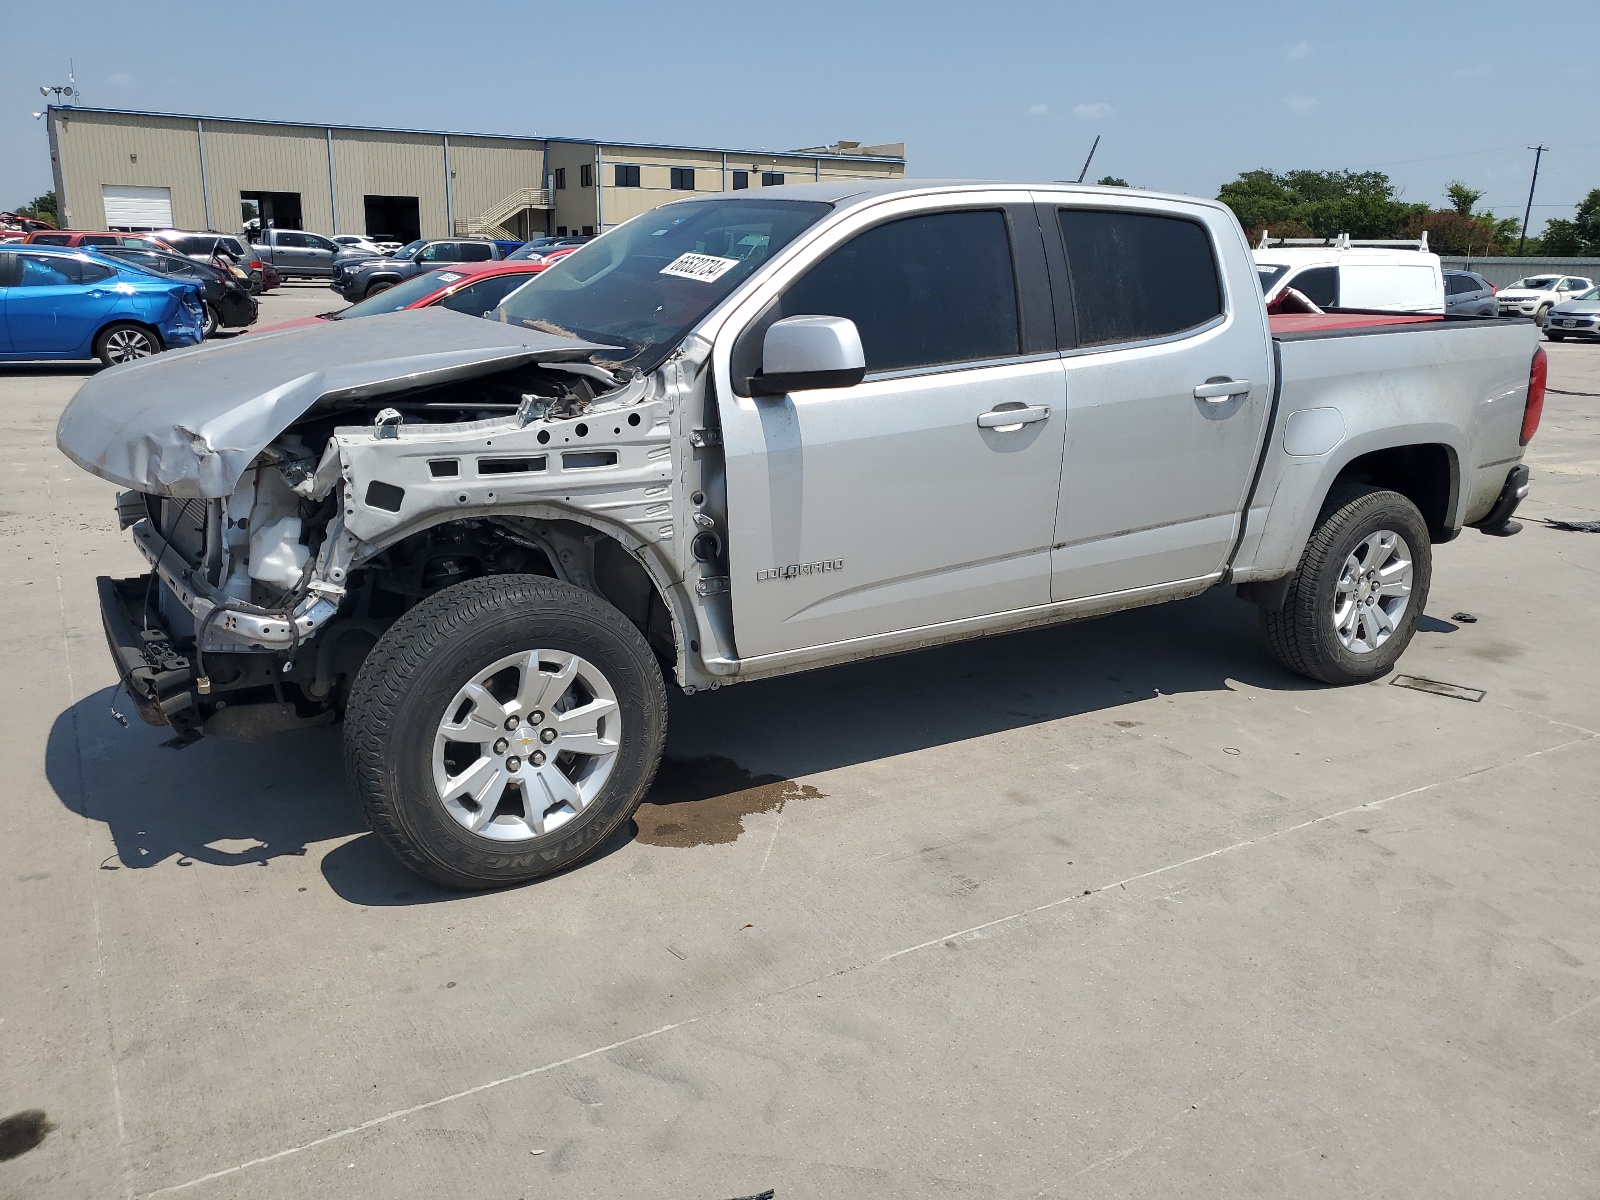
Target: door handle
column 1004, row 420
column 1217, row 391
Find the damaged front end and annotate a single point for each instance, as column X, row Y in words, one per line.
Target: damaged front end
column 288, row 525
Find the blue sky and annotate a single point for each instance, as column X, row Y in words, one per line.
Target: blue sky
column 1185, row 95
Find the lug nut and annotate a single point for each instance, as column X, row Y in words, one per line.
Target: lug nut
column 535, row 717
column 513, row 763
column 547, row 735
column 500, row 746
column 511, row 722
column 537, row 758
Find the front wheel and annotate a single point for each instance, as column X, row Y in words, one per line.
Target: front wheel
column 213, row 322
column 1355, row 599
column 375, row 289
column 1555, row 337
column 124, row 342
column 502, row 729
column 1542, row 317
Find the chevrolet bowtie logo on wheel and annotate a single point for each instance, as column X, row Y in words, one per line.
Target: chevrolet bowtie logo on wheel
column 795, row 569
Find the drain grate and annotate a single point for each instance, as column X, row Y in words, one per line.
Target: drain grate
column 1453, row 690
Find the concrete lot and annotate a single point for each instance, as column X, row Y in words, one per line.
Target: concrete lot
column 1117, row 909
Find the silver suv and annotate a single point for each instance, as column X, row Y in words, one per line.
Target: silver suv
column 1468, row 294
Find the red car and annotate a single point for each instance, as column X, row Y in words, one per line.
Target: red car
column 472, row 288
column 91, row 237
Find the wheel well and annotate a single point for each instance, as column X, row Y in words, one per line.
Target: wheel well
column 1426, row 475
column 451, row 552
column 112, row 324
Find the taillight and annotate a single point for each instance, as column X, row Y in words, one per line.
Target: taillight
column 1537, row 375
column 1493, row 291
column 255, row 266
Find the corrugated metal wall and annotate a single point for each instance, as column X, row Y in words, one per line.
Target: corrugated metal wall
column 1501, row 271
column 97, row 147
column 267, row 158
column 120, row 148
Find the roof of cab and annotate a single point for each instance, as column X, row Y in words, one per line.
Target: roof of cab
column 845, row 193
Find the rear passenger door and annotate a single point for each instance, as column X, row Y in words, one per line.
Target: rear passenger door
column 1169, row 382
column 910, row 499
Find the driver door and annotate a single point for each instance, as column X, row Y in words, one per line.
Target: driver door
column 908, row 500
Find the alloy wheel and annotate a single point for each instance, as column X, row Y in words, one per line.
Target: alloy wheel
column 526, row 745
column 125, row 345
column 1373, row 591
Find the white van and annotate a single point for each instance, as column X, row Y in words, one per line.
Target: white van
column 1340, row 273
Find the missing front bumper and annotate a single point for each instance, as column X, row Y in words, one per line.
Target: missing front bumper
column 158, row 679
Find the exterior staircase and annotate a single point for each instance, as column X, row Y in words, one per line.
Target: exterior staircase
column 491, row 222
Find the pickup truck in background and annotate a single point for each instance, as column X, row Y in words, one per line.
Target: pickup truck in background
column 358, row 277
column 295, row 254
column 757, row 433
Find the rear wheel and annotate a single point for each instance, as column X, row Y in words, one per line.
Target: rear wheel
column 502, row 729
column 1355, row 599
column 124, row 342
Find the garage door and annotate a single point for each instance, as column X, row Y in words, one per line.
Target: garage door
column 137, row 207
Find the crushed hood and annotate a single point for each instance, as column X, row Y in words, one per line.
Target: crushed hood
column 188, row 423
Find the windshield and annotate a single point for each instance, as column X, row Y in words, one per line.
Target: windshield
column 1537, row 283
column 1592, row 294
column 644, row 285
column 410, row 247
column 401, row 295
column 1269, row 274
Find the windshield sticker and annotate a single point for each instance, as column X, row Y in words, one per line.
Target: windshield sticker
column 704, row 267
column 447, row 277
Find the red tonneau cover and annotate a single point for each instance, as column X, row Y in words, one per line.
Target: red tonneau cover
column 1308, row 322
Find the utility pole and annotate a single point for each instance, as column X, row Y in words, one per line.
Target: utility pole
column 1090, row 159
column 1538, row 153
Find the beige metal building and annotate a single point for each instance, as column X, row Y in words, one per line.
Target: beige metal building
column 116, row 169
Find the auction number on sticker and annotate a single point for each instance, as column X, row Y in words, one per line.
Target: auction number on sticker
column 704, row 267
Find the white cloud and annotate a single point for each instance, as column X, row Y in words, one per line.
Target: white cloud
column 1301, row 103
column 1089, row 112
column 1301, row 49
column 1038, row 110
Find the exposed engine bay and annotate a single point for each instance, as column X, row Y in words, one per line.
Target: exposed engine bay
column 367, row 504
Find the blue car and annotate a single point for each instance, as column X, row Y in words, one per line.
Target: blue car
column 57, row 302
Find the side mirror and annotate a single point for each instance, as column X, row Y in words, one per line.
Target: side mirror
column 809, row 352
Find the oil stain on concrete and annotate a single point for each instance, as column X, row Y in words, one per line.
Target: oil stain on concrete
column 21, row 1132
column 704, row 801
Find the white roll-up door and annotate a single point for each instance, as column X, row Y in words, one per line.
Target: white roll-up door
column 137, row 207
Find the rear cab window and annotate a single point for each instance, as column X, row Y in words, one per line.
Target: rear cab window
column 1138, row 276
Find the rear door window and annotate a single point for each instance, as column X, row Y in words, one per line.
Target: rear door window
column 475, row 252
column 923, row 291
column 39, row 270
column 1137, row 276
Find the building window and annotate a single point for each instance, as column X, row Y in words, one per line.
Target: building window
column 588, row 231
column 772, row 179
column 561, row 231
column 683, row 179
column 561, row 179
column 586, row 175
column 626, row 175
column 741, row 180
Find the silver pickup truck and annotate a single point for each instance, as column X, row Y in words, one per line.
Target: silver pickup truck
column 751, row 434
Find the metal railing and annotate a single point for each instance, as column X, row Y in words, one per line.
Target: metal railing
column 491, row 222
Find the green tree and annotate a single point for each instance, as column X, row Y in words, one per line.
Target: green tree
column 1587, row 221
column 1112, row 181
column 41, row 208
column 1562, row 239
column 1360, row 203
column 1462, row 198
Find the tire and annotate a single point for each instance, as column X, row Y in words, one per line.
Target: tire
column 1305, row 634
column 1555, row 337
column 375, row 289
column 1542, row 317
column 213, row 322
column 415, row 782
column 125, row 341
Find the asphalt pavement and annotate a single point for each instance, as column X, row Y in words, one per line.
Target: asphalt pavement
column 1115, row 909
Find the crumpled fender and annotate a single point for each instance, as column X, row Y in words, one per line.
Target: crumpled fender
column 188, row 423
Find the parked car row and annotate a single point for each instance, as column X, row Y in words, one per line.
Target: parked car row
column 1535, row 295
